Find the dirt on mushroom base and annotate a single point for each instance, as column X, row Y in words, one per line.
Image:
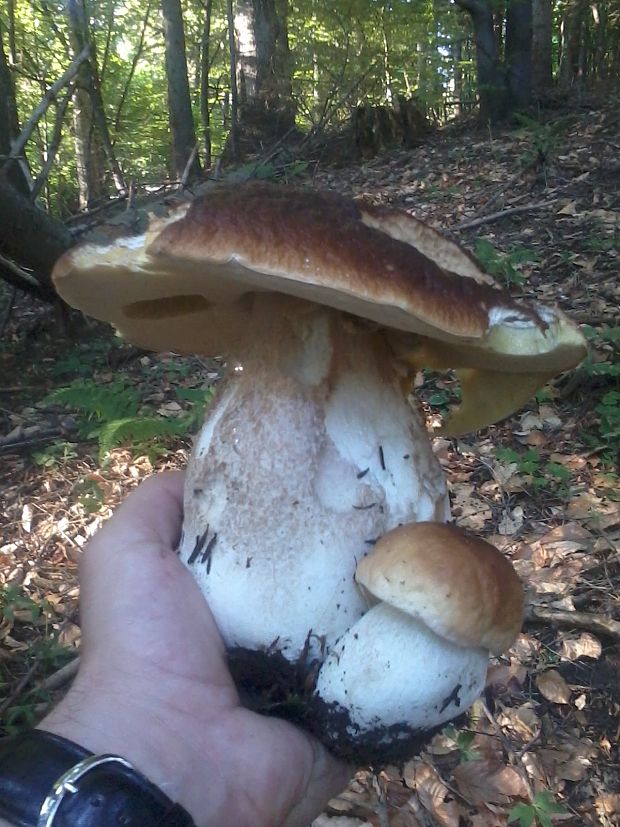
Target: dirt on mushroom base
column 562, row 532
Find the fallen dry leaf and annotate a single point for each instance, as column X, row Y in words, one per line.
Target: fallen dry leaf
column 504, row 677
column 485, row 818
column 553, row 687
column 523, row 721
column 432, row 793
column 607, row 804
column 481, row 782
column 511, row 521
column 585, row 646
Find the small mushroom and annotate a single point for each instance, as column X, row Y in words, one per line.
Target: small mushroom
column 311, row 450
column 419, row 656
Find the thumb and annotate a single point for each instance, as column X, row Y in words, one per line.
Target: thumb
column 152, row 514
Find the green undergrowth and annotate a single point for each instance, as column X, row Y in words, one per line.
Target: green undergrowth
column 114, row 415
column 42, row 655
column 602, row 372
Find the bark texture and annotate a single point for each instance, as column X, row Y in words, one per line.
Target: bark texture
column 179, row 101
column 93, row 145
column 263, row 72
column 504, row 74
column 10, row 169
column 518, row 55
column 541, row 46
column 29, row 237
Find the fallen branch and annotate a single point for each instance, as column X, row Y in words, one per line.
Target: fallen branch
column 14, row 444
column 577, row 620
column 61, row 677
column 111, row 202
column 497, row 216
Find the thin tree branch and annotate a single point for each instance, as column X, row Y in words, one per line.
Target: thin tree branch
column 576, row 620
column 18, row 272
column 132, row 68
column 497, row 216
column 41, row 178
column 19, row 143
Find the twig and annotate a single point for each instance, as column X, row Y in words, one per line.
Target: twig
column 61, row 677
column 507, row 185
column 15, row 445
column 18, row 271
column 188, row 167
column 111, row 202
column 54, row 145
column 578, row 620
column 20, row 142
column 18, row 688
column 497, row 216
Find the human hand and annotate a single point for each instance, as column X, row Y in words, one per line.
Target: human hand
column 154, row 687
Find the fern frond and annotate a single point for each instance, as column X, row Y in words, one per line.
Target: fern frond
column 136, row 430
column 101, row 402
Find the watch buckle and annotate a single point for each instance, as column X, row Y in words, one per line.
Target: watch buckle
column 67, row 785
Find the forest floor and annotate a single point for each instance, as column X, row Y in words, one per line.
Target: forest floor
column 541, row 206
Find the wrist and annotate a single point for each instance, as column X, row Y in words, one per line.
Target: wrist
column 101, row 718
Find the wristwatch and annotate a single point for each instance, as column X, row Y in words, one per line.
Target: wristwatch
column 48, row 781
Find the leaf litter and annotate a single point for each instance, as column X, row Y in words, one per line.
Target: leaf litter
column 545, row 734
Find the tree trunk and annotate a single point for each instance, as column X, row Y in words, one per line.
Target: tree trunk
column 572, row 37
column 10, row 168
column 205, row 72
column 266, row 109
column 387, row 71
column 492, row 81
column 542, row 77
column 179, row 101
column 457, row 69
column 93, row 146
column 233, row 140
column 30, row 238
column 518, row 55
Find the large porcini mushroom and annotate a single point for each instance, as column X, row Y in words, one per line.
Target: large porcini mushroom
column 311, row 451
column 419, row 656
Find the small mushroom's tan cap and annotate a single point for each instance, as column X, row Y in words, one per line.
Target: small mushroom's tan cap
column 455, row 583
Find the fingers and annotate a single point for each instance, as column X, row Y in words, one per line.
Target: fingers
column 153, row 513
column 326, row 778
column 140, row 607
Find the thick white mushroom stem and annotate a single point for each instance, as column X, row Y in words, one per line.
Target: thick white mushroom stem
column 309, row 453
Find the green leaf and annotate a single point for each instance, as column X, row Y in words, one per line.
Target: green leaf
column 523, row 813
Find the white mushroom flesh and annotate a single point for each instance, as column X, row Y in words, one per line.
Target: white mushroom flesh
column 309, row 454
column 390, row 669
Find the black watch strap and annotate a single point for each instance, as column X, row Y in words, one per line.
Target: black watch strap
column 108, row 791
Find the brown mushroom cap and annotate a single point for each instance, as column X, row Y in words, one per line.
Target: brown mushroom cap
column 181, row 286
column 455, row 583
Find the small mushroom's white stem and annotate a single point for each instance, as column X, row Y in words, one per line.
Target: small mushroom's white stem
column 308, row 455
column 390, row 669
